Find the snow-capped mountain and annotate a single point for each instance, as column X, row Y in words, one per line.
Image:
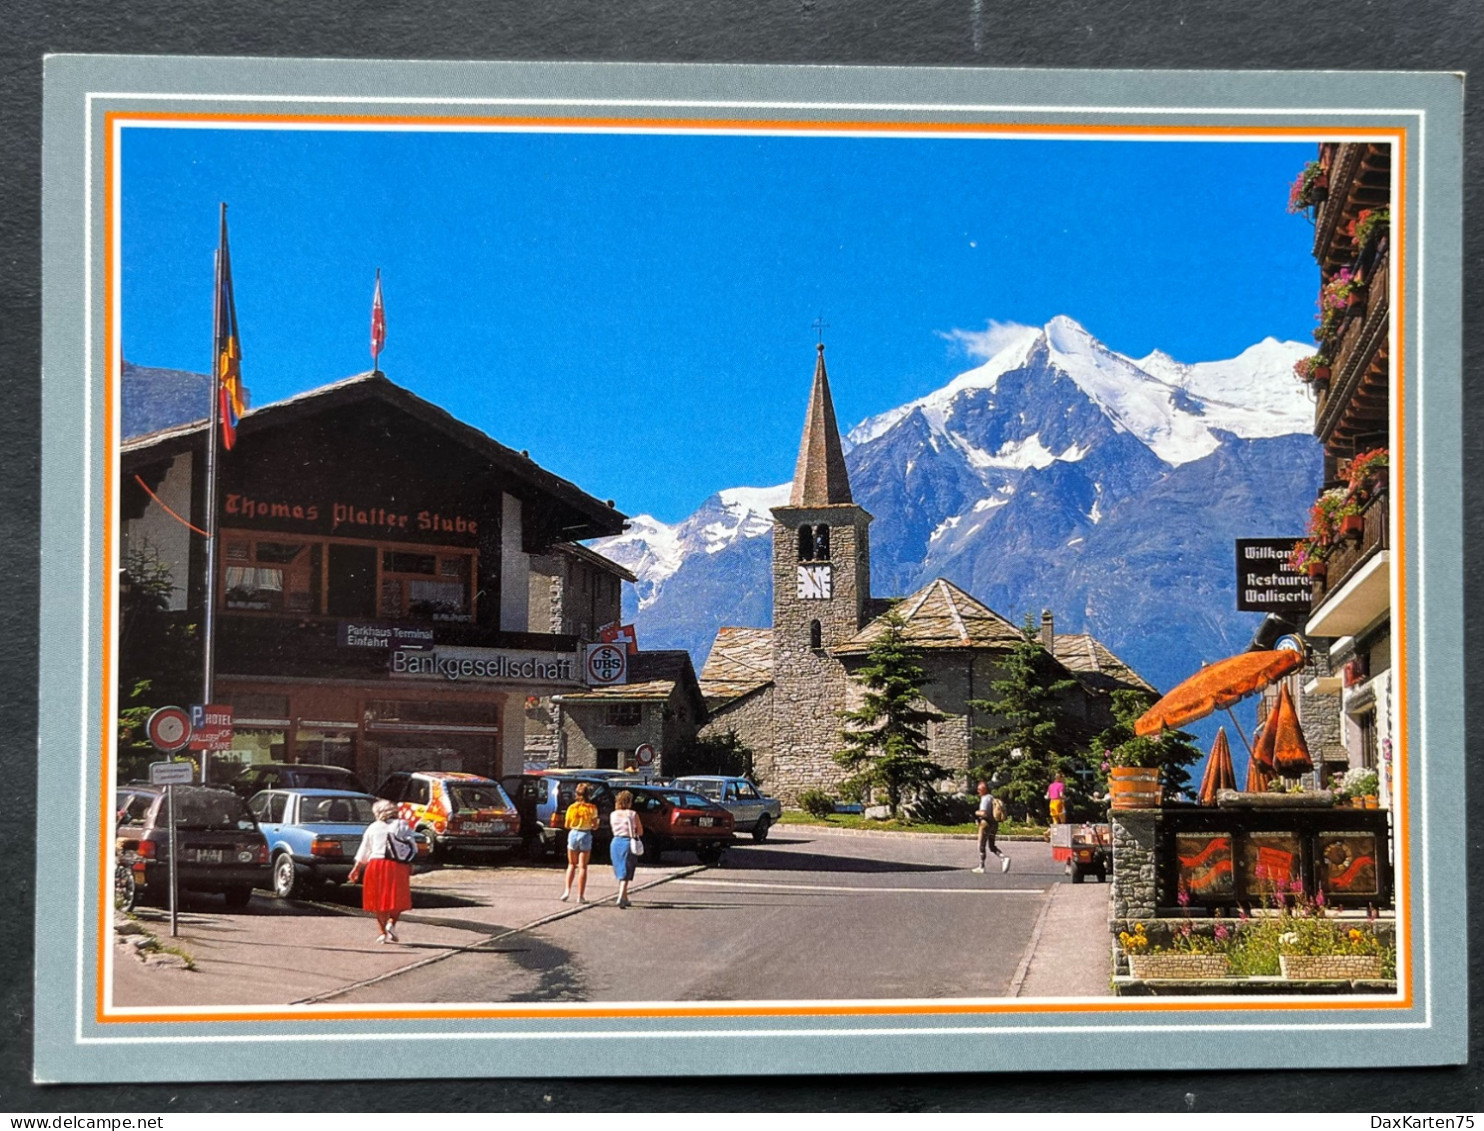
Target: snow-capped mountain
column 1170, row 407
column 1056, row 474
column 655, row 550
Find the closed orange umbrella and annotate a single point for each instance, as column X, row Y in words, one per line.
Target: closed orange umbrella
column 1290, row 752
column 1216, row 687
column 1262, row 749
column 1219, row 773
column 1257, row 781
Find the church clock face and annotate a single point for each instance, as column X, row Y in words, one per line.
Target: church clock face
column 814, row 582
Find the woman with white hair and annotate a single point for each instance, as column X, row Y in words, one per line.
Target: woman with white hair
column 385, row 857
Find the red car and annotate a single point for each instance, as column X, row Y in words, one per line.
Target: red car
column 680, row 818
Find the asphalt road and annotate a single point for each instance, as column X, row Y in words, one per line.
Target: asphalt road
column 800, row 918
column 807, row 916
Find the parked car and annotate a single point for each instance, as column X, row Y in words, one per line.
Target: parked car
column 542, row 800
column 680, row 818
column 314, row 834
column 754, row 812
column 292, row 775
column 219, row 847
column 457, row 812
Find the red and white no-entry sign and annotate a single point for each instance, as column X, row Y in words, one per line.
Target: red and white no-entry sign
column 168, row 729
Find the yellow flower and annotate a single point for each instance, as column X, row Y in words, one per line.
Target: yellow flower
column 1355, row 934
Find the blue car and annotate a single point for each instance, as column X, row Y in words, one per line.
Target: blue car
column 313, row 835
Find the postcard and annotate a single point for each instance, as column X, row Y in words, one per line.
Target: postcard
column 597, row 569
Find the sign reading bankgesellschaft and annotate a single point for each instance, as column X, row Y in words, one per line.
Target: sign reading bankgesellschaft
column 1265, row 581
column 486, row 665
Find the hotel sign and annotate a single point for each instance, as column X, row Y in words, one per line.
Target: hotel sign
column 486, row 665
column 1266, row 583
column 353, row 518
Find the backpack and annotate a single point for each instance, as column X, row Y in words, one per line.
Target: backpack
column 997, row 809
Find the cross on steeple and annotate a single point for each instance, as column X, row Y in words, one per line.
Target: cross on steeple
column 819, row 325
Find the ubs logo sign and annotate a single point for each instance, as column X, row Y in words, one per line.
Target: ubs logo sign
column 607, row 664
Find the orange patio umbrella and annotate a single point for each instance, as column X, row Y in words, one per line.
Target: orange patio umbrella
column 1257, row 781
column 1219, row 773
column 1216, row 687
column 1290, row 752
column 1262, row 748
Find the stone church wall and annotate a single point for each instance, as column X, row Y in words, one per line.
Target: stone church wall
column 751, row 717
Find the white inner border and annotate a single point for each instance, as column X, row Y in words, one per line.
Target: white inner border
column 736, row 1026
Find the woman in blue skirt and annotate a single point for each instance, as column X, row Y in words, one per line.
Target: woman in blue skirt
column 627, row 831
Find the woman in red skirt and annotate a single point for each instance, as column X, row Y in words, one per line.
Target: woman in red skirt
column 385, row 857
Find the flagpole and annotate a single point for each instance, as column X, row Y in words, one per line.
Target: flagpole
column 208, row 619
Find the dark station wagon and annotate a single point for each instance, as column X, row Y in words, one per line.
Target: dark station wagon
column 292, row 775
column 218, row 844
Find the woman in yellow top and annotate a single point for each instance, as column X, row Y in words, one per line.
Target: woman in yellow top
column 581, row 820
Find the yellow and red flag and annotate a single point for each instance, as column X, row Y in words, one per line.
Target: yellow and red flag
column 232, row 397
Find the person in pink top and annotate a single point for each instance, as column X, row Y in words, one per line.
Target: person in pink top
column 1056, row 794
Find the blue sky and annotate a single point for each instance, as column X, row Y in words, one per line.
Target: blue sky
column 636, row 310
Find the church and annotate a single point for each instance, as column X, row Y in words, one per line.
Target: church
column 782, row 689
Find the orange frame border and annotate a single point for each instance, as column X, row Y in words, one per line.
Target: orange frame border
column 113, row 121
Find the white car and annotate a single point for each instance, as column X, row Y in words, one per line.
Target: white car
column 753, row 812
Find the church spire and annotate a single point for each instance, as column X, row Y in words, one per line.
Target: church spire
column 820, row 478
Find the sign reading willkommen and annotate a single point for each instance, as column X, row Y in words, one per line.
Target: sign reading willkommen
column 1266, row 583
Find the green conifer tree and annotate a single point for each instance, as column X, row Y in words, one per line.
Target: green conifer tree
column 1031, row 739
column 1172, row 751
column 885, row 738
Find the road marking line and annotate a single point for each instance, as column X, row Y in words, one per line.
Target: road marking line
column 861, row 890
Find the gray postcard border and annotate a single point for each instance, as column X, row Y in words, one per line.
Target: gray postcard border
column 70, row 1046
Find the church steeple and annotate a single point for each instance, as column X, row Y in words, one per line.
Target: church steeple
column 820, row 478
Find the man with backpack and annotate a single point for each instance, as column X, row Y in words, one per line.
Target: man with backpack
column 989, row 814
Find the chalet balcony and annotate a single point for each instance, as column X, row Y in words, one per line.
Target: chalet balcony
column 1356, row 589
column 1359, row 178
column 1353, row 409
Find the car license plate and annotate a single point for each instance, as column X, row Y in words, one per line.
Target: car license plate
column 208, row 856
column 707, row 821
column 479, row 827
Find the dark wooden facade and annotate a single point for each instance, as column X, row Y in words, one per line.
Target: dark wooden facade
column 361, row 504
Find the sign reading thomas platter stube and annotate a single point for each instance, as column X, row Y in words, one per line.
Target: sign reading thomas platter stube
column 1265, row 581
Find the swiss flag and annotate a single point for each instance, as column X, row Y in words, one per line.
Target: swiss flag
column 378, row 321
column 613, row 633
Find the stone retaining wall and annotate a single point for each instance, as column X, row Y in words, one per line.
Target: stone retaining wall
column 1133, row 894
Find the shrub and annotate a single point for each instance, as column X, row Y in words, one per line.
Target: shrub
column 817, row 803
column 723, row 754
column 934, row 808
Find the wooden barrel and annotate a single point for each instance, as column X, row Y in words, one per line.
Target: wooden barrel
column 1134, row 787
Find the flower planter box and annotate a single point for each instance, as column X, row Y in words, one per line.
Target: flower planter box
column 1335, row 967
column 1317, row 570
column 1183, row 966
column 1352, row 526
column 1134, row 787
